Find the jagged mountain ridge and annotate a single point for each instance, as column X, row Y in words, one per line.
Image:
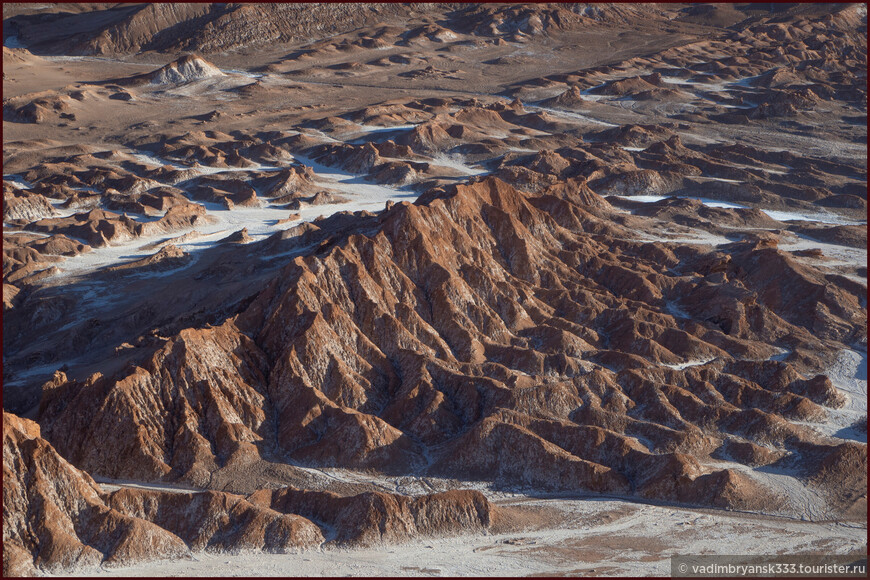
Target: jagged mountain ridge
column 205, row 28
column 508, row 337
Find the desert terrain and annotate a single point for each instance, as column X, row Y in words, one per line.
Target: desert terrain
column 432, row 289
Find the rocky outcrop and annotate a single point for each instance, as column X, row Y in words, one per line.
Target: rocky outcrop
column 38, row 110
column 382, row 350
column 166, row 258
column 649, row 87
column 102, row 228
column 54, row 518
column 376, row 518
column 218, row 522
column 28, row 258
column 20, row 204
column 185, row 70
column 570, row 99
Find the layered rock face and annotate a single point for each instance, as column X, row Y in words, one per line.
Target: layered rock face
column 54, row 515
column 484, row 333
column 374, row 518
column 56, row 518
column 220, row 28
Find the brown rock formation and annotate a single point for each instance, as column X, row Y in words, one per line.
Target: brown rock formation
column 21, row 204
column 217, row 521
column 380, row 347
column 377, row 518
column 54, row 518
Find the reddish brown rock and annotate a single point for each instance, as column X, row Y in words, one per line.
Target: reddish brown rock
column 217, row 521
column 54, row 518
column 382, row 347
column 376, row 518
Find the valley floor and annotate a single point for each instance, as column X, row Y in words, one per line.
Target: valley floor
column 598, row 537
